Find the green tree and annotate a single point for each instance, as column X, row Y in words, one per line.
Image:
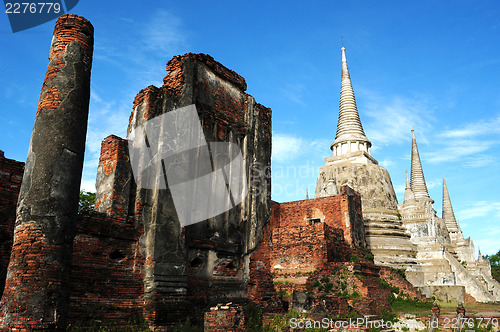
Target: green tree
column 495, row 265
column 86, row 202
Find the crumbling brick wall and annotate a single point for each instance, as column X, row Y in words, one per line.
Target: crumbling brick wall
column 188, row 269
column 107, row 267
column 225, row 318
column 107, row 271
column 11, row 176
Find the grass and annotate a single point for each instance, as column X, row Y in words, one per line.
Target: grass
column 451, row 307
column 404, row 304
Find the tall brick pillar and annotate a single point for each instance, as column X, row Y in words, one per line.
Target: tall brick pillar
column 36, row 292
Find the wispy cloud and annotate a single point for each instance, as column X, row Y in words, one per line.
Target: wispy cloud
column 105, row 118
column 480, row 128
column 391, row 119
column 140, row 54
column 386, row 163
column 287, row 147
column 432, row 183
column 470, row 144
column 143, row 51
column 481, row 209
column 294, row 92
column 488, row 246
column 399, row 188
column 457, row 150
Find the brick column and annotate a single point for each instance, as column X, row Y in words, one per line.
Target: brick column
column 36, row 289
column 114, row 176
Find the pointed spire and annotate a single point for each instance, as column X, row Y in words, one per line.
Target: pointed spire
column 417, row 173
column 349, row 128
column 448, row 215
column 409, row 195
column 307, row 193
column 479, row 256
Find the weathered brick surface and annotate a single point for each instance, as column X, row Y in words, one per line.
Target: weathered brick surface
column 261, row 289
column 114, row 178
column 395, row 279
column 228, row 318
column 36, row 293
column 131, row 258
column 11, row 175
column 107, row 271
column 211, row 254
column 315, row 248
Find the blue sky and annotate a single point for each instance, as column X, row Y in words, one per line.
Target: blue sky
column 433, row 66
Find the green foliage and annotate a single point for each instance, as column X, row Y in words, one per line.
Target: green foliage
column 325, row 279
column 253, row 317
column 135, row 323
column 401, row 272
column 86, row 201
column 279, row 323
column 354, row 259
column 187, row 326
column 495, row 265
column 328, row 287
column 355, row 294
column 404, row 303
column 384, row 284
column 387, row 316
column 369, row 256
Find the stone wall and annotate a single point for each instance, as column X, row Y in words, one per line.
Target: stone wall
column 223, row 318
column 11, row 175
column 204, row 263
column 312, row 258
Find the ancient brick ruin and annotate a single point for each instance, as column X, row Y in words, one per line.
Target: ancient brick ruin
column 131, row 259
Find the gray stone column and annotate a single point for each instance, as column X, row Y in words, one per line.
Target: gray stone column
column 36, row 293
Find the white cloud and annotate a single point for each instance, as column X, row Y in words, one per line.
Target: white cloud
column 386, row 163
column 471, row 145
column 480, row 161
column 488, row 246
column 400, row 188
column 142, row 52
column 457, row 150
column 479, row 128
column 432, row 183
column 294, row 92
column 105, row 118
column 391, row 119
column 477, row 209
column 287, row 147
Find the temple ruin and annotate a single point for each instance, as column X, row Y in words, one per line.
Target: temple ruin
column 134, row 259
column 432, row 250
